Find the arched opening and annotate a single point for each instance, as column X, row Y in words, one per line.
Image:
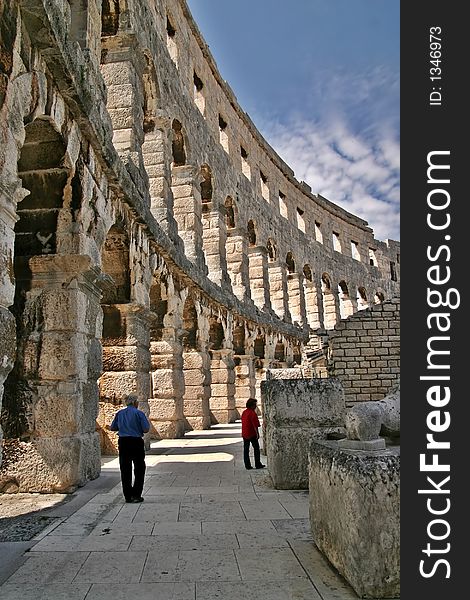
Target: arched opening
column 178, row 144
column 272, row 250
column 216, row 335
column 379, row 298
column 190, row 325
column 329, row 304
column 115, row 263
column 171, row 42
column 290, row 262
column 41, row 170
column 297, row 354
column 346, row 307
column 206, row 184
column 362, row 302
column 280, row 352
column 311, row 298
column 151, row 95
column 109, row 17
column 159, row 308
column 229, row 213
column 259, row 346
column 307, row 271
column 251, row 233
column 238, row 336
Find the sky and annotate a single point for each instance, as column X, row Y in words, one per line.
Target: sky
column 320, row 79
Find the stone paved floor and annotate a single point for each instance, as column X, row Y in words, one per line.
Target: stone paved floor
column 208, row 530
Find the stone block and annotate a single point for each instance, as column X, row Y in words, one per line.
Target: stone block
column 355, row 515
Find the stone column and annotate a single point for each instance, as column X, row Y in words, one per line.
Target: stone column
column 278, row 290
column 237, row 264
column 166, row 402
column 245, row 381
column 259, row 280
column 214, row 241
column 311, row 304
column 126, row 365
column 156, row 151
column 125, row 102
column 51, row 396
column 197, row 389
column 296, row 298
column 222, row 400
column 9, row 196
column 188, row 211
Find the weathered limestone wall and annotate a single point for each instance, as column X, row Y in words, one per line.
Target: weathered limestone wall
column 121, row 165
column 295, row 411
column 355, row 515
column 364, row 352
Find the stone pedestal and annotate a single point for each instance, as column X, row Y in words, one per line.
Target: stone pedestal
column 355, row 515
column 295, row 411
column 126, row 365
column 51, row 396
column 222, row 400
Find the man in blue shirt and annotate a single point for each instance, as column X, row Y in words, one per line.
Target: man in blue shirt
column 131, row 424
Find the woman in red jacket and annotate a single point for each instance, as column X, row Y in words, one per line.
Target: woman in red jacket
column 250, row 424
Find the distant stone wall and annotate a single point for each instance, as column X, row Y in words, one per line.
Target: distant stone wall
column 355, row 515
column 295, row 411
column 364, row 352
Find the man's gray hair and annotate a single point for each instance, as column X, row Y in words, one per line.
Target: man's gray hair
column 130, row 399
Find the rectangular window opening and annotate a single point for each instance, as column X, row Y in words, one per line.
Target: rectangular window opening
column 318, row 233
column 355, row 250
column 300, row 219
column 336, row 242
column 246, row 169
column 283, row 205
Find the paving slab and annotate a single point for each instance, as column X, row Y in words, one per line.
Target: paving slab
column 113, row 568
column 268, row 564
column 299, row 589
column 142, row 591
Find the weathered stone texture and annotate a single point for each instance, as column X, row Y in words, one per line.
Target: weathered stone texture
column 355, row 515
column 295, row 411
column 121, row 201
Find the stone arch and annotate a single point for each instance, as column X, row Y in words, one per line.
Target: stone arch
column 346, row 307
column 251, row 233
column 190, row 325
column 110, row 12
column 230, row 213
column 206, row 184
column 290, row 262
column 116, row 264
column 362, row 302
column 216, row 334
column 158, row 307
column 42, row 171
column 329, row 303
column 178, row 144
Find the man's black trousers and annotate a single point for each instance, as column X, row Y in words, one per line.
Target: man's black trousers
column 246, row 451
column 132, row 452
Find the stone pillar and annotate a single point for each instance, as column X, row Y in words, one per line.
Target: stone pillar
column 188, row 211
column 125, row 103
column 214, row 241
column 197, row 389
column 156, row 151
column 222, row 400
column 311, row 304
column 85, row 28
column 126, row 365
column 245, row 381
column 296, row 298
column 237, row 264
column 9, row 196
column 278, row 290
column 51, row 396
column 259, row 280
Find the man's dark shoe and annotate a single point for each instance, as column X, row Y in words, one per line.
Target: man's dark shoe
column 129, row 500
column 248, row 468
column 139, row 499
column 261, row 467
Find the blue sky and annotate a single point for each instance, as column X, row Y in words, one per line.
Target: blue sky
column 320, row 79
